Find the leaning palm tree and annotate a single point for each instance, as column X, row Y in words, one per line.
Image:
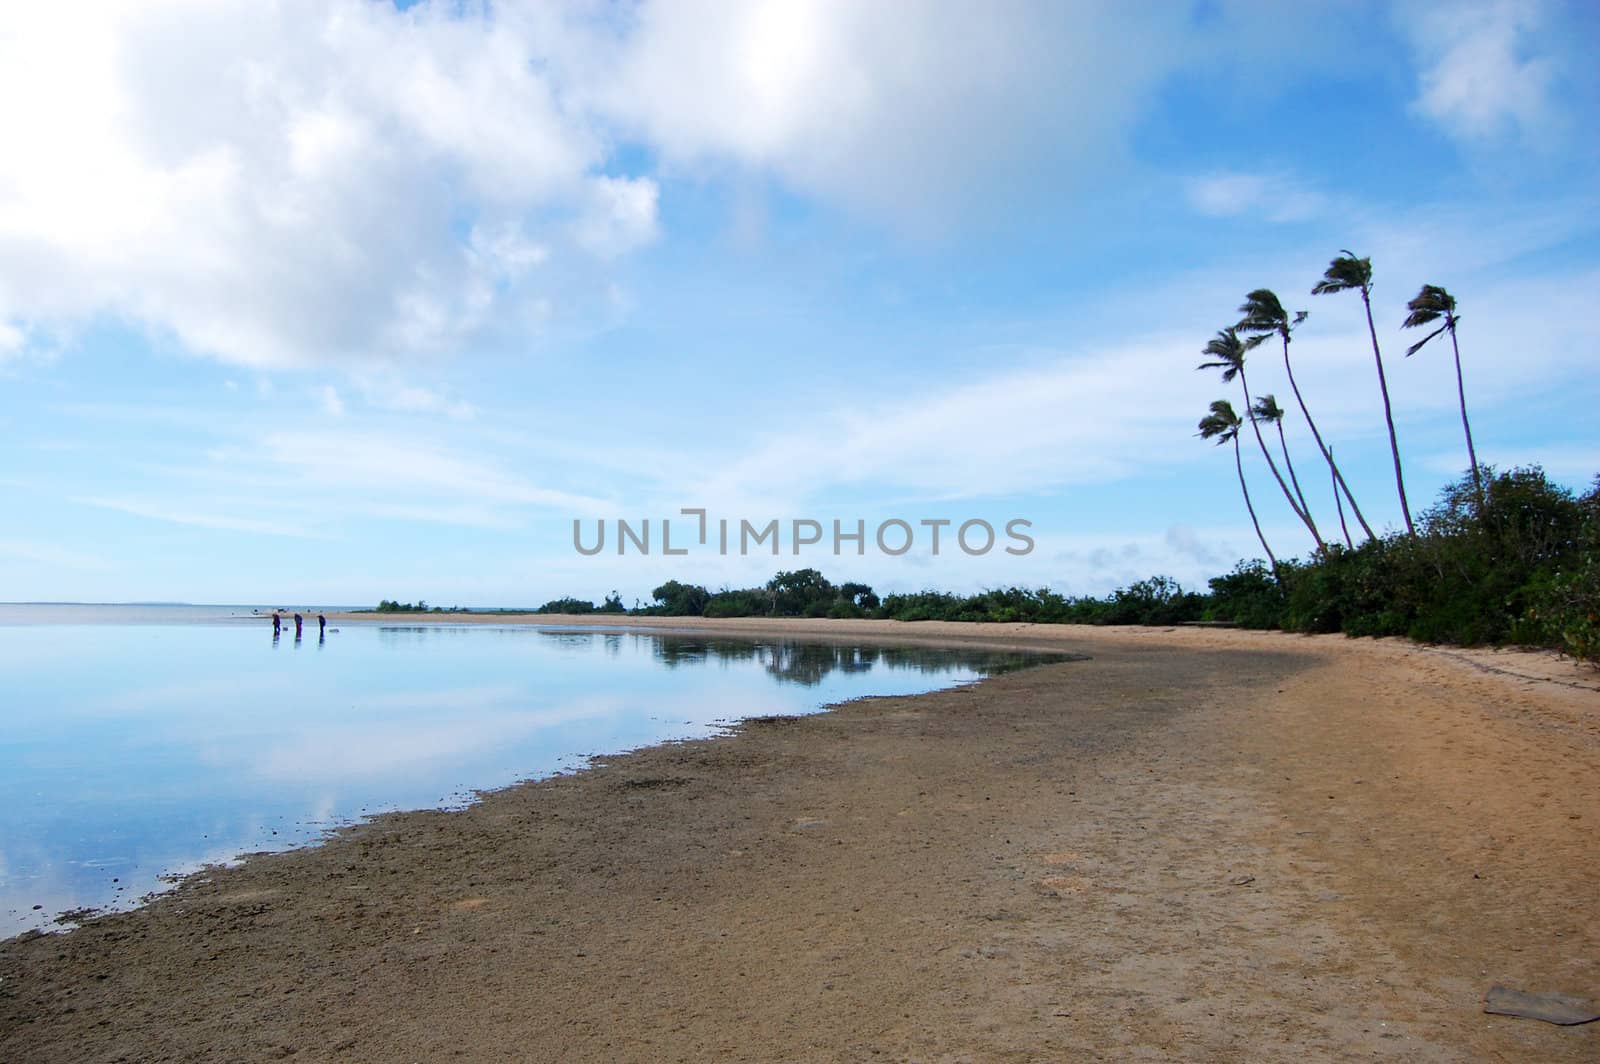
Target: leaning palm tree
column 1222, row 424
column 1431, row 304
column 1343, row 274
column 1262, row 314
column 1338, row 504
column 1266, row 409
column 1227, row 352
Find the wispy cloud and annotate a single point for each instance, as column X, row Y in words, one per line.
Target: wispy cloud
column 1575, row 463
column 1273, row 197
column 387, row 391
column 11, row 339
column 383, row 464
column 1484, row 73
column 178, row 515
column 50, row 554
column 332, row 404
column 1091, row 416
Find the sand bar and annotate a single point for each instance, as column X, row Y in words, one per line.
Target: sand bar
column 1206, row 845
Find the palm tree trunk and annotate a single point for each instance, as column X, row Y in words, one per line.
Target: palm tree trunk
column 1327, row 455
column 1298, row 512
column 1461, row 391
column 1238, row 464
column 1388, row 416
column 1284, row 444
column 1348, row 542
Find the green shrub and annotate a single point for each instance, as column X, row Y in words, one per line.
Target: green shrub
column 567, row 605
column 1249, row 597
column 1466, row 577
column 1159, row 600
column 1564, row 612
column 746, row 603
column 673, row 599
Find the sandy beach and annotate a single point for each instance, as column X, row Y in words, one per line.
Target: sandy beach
column 1195, row 844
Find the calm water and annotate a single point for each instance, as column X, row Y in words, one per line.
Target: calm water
column 143, row 741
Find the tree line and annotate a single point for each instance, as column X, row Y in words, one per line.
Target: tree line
column 1518, row 564
column 807, row 593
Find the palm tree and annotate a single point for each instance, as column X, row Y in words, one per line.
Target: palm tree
column 1222, row 424
column 1227, row 352
column 1431, row 304
column 1339, row 505
column 1343, row 274
column 1267, row 409
column 1262, row 313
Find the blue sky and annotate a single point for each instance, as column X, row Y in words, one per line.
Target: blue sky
column 322, row 302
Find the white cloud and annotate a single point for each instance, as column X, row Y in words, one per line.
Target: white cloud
column 378, row 463
column 11, row 339
column 332, row 405
column 388, row 392
column 180, row 515
column 283, row 184
column 304, row 181
column 1574, row 463
column 1481, row 76
column 910, row 110
column 322, row 180
column 51, row 554
column 621, row 216
column 506, row 250
column 1026, row 429
column 1276, row 198
column 309, row 481
column 319, row 476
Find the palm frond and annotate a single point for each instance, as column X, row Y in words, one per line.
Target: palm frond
column 1262, row 312
column 1266, row 408
column 1344, row 273
column 1414, row 348
column 1226, row 352
column 1430, row 304
column 1222, row 424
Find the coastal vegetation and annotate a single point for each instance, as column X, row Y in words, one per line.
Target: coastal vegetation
column 612, row 603
column 1521, row 568
column 1502, row 557
column 419, row 606
column 1508, row 557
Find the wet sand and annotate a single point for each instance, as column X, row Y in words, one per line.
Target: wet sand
column 1204, row 845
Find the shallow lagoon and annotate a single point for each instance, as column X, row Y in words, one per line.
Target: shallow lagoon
column 135, row 749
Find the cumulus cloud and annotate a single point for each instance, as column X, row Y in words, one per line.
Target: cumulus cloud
column 297, row 182
column 1481, row 75
column 310, row 181
column 908, row 110
column 315, row 181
